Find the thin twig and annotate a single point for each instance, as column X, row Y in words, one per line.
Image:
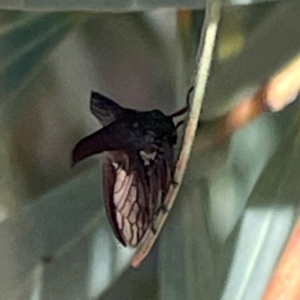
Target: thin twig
column 206, row 47
column 280, row 90
column 285, row 282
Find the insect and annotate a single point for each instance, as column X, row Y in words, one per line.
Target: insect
column 139, row 164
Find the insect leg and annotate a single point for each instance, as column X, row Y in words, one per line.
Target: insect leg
column 179, row 124
column 184, row 109
column 189, row 94
column 179, row 112
column 174, row 182
column 162, row 208
column 153, row 229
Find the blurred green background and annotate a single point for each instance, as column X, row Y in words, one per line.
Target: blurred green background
column 238, row 201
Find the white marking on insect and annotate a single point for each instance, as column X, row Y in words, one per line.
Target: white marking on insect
column 140, row 219
column 126, row 208
column 126, row 229
column 122, row 186
column 147, row 157
column 119, row 218
column 133, row 214
column 133, row 194
column 134, row 235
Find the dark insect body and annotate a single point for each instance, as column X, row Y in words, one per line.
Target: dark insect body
column 139, row 164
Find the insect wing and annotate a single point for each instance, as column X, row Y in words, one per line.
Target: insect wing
column 105, row 109
column 126, row 198
column 134, row 192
